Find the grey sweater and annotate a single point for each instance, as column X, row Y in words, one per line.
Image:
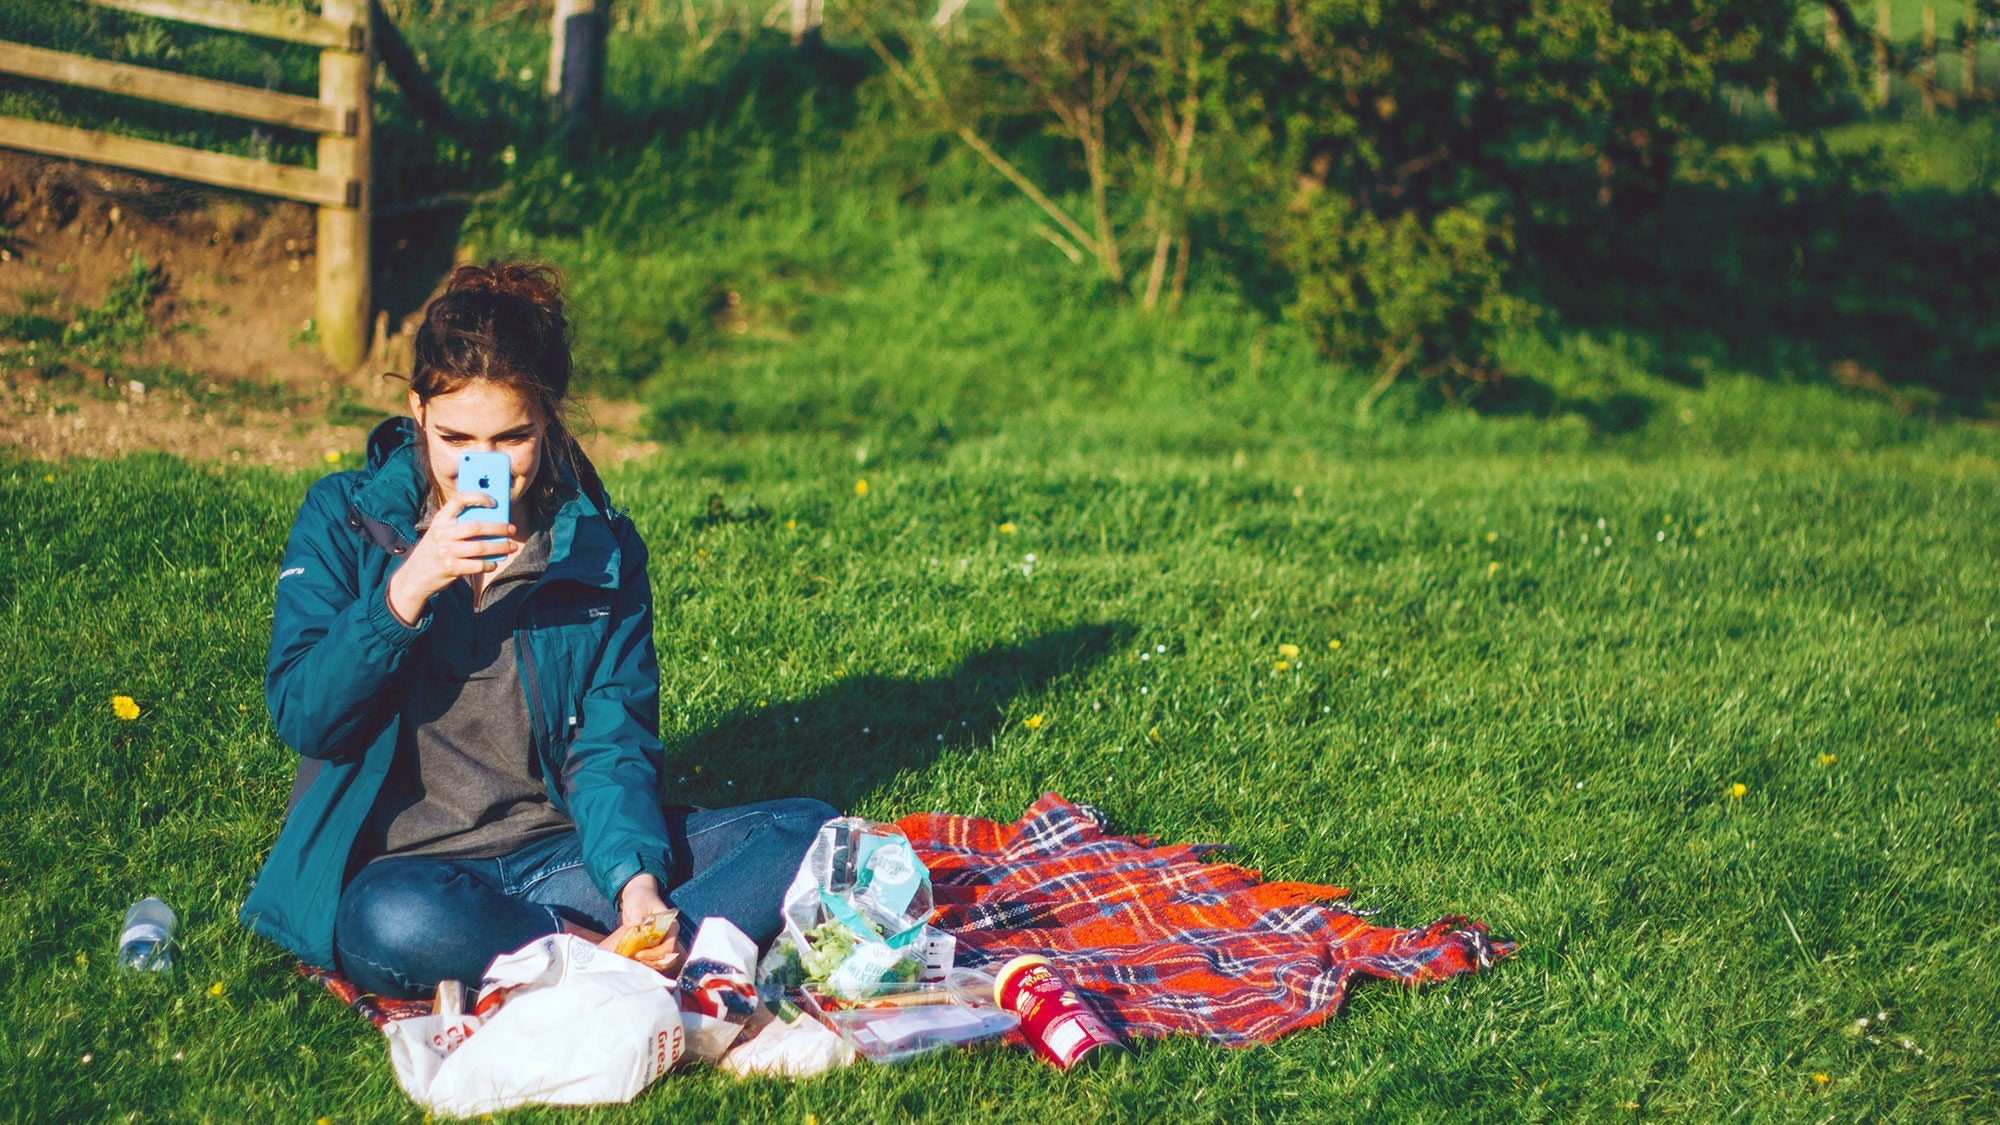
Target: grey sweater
column 466, row 782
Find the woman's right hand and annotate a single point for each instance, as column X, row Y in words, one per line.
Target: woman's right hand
column 655, row 941
column 451, row 549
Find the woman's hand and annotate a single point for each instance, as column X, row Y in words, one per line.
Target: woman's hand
column 640, row 906
column 640, row 899
column 451, row 549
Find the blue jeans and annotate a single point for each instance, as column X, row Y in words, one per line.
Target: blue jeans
column 405, row 924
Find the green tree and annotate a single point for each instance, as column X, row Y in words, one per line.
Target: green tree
column 1134, row 91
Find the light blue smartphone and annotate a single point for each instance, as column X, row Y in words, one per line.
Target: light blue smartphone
column 492, row 474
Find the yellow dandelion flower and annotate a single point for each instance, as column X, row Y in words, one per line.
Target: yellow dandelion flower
column 861, row 488
column 1334, row 643
column 83, row 960
column 1282, row 666
column 1492, row 537
column 1289, row 652
column 1737, row 789
column 243, row 708
column 1827, row 759
column 324, row 1121
column 1492, row 568
column 125, row 707
column 1034, row 722
column 333, row 457
column 215, row 989
column 49, row 479
column 1008, row 529
column 791, row 525
column 1822, row 1079
column 1154, row 734
column 812, row 1119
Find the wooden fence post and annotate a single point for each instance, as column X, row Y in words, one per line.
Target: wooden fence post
column 341, row 250
column 1928, row 65
column 576, row 63
column 1881, row 54
column 806, row 19
column 1968, row 77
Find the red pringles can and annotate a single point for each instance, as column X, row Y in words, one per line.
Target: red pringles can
column 1053, row 1020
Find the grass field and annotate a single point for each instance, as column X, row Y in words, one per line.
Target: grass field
column 1528, row 682
column 1537, row 654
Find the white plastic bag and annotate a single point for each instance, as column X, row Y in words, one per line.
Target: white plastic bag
column 798, row 1048
column 579, row 1025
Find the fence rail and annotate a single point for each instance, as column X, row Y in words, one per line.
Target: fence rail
column 341, row 116
column 226, row 98
column 242, row 173
column 335, row 28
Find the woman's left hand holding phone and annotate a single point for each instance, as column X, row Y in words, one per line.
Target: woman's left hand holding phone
column 453, row 548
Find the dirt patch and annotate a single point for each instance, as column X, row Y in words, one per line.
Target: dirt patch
column 229, row 370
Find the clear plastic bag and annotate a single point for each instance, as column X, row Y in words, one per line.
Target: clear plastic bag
column 854, row 916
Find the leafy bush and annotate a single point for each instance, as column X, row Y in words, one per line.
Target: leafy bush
column 1402, row 295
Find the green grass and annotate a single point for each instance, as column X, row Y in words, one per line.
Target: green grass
column 1520, row 721
column 1566, row 628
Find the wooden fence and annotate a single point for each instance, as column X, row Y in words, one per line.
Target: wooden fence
column 1916, row 64
column 341, row 115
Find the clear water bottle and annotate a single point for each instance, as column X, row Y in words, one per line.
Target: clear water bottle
column 146, row 944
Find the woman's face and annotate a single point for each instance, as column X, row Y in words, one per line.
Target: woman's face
column 480, row 418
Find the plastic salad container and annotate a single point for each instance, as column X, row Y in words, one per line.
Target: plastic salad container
column 906, row 1020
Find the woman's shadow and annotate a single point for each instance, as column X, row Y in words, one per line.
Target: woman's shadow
column 843, row 743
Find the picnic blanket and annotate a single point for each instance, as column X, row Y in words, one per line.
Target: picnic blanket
column 1156, row 940
column 1159, row 942
column 378, row 1010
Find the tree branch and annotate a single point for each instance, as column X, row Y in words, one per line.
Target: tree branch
column 942, row 109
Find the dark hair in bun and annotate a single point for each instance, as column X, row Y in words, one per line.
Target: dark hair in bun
column 502, row 323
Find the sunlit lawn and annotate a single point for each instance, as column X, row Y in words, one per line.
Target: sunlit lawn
column 1711, row 733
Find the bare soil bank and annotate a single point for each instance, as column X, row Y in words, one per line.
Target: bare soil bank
column 234, row 323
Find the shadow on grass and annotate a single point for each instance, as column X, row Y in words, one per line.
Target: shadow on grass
column 1517, row 395
column 414, row 252
column 684, row 140
column 844, row 743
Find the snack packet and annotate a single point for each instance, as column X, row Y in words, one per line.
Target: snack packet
column 716, row 995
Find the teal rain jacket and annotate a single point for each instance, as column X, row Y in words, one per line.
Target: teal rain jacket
column 335, row 684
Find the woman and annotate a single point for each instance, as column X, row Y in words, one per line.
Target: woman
column 477, row 720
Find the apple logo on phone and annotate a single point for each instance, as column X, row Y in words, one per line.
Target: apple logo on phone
column 485, row 482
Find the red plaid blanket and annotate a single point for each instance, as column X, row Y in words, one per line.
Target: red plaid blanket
column 378, row 1010
column 1159, row 942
